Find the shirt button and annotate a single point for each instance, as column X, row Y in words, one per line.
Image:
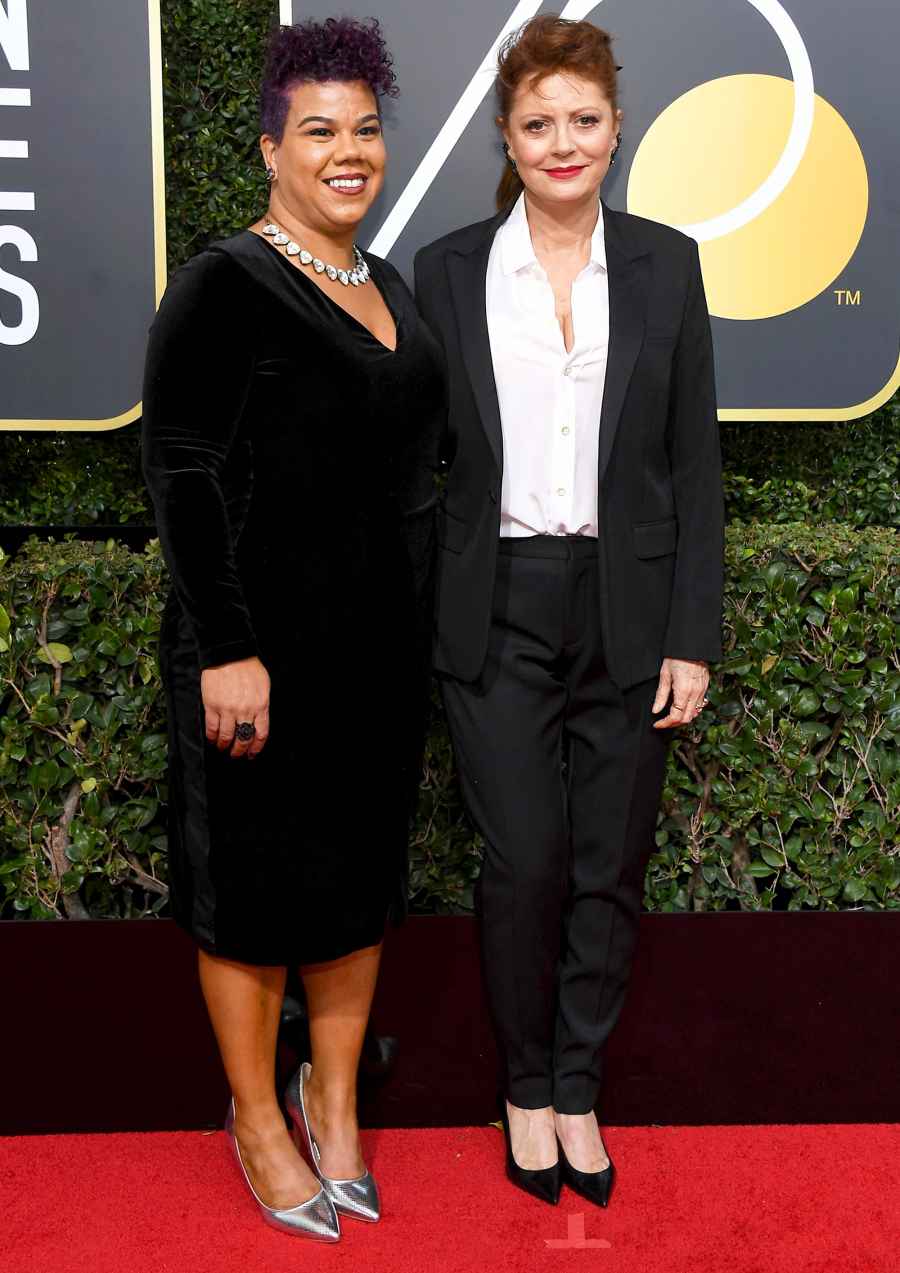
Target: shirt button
column 567, row 371
column 561, row 490
column 565, row 428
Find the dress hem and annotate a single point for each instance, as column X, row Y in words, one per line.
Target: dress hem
column 340, row 949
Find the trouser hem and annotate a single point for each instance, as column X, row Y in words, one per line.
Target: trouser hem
column 530, row 1094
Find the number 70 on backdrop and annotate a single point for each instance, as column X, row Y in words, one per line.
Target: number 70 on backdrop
column 747, row 124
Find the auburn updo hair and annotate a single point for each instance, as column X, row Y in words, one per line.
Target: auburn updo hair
column 542, row 46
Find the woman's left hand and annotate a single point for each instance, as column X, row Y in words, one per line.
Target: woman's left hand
column 687, row 680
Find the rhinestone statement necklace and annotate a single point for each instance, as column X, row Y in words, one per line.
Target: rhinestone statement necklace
column 357, row 276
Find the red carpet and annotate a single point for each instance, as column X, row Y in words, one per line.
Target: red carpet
column 803, row 1199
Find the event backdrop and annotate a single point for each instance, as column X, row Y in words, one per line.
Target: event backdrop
column 766, row 130
column 82, row 230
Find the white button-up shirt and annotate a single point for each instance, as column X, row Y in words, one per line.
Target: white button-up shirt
column 549, row 400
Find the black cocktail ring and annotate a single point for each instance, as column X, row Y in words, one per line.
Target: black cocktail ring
column 245, row 731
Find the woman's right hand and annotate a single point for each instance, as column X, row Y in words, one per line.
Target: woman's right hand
column 235, row 692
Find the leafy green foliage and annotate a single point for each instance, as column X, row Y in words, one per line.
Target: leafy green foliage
column 72, row 479
column 212, row 59
column 82, row 732
column 846, row 471
column 785, row 794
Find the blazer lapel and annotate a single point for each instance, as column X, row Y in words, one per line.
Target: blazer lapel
column 628, row 271
column 467, row 272
column 628, row 277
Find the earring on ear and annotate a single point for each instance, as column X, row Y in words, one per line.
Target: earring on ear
column 613, row 153
column 270, row 173
column 509, row 158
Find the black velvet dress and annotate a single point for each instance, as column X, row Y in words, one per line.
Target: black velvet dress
column 290, row 457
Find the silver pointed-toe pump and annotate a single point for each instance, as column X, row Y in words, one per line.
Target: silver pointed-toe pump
column 315, row 1218
column 357, row 1196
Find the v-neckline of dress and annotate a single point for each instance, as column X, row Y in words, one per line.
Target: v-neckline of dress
column 352, row 317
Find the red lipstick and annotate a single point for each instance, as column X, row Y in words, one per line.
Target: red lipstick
column 564, row 174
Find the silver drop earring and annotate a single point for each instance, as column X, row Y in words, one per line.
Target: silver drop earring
column 612, row 155
column 509, row 158
column 270, row 173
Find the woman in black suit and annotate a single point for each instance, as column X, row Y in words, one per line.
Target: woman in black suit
column 579, row 582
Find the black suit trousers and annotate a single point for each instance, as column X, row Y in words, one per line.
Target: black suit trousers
column 562, row 774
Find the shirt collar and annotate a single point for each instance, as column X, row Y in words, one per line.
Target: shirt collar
column 518, row 250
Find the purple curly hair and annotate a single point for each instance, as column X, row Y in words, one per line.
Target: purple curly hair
column 336, row 49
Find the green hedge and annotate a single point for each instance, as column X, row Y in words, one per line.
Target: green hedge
column 73, row 479
column 785, row 795
column 215, row 178
column 83, row 760
column 841, row 471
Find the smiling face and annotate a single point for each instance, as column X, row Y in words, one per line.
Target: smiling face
column 331, row 158
column 561, row 132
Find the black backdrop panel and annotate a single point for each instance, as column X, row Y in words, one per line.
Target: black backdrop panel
column 730, row 1018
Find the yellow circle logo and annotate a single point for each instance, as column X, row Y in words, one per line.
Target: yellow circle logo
column 714, row 146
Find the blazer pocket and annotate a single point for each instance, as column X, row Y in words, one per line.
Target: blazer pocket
column 655, row 539
column 451, row 531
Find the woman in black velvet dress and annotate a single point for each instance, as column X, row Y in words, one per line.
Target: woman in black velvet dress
column 290, row 431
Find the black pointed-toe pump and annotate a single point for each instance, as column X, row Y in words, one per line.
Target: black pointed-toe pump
column 541, row 1182
column 595, row 1186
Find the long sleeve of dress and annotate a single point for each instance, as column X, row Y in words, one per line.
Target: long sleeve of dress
column 196, row 380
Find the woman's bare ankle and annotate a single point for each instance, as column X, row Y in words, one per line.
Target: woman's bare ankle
column 533, row 1136
column 258, row 1122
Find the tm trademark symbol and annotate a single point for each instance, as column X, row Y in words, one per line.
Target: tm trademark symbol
column 846, row 297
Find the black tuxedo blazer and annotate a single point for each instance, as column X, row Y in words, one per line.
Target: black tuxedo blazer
column 660, row 505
